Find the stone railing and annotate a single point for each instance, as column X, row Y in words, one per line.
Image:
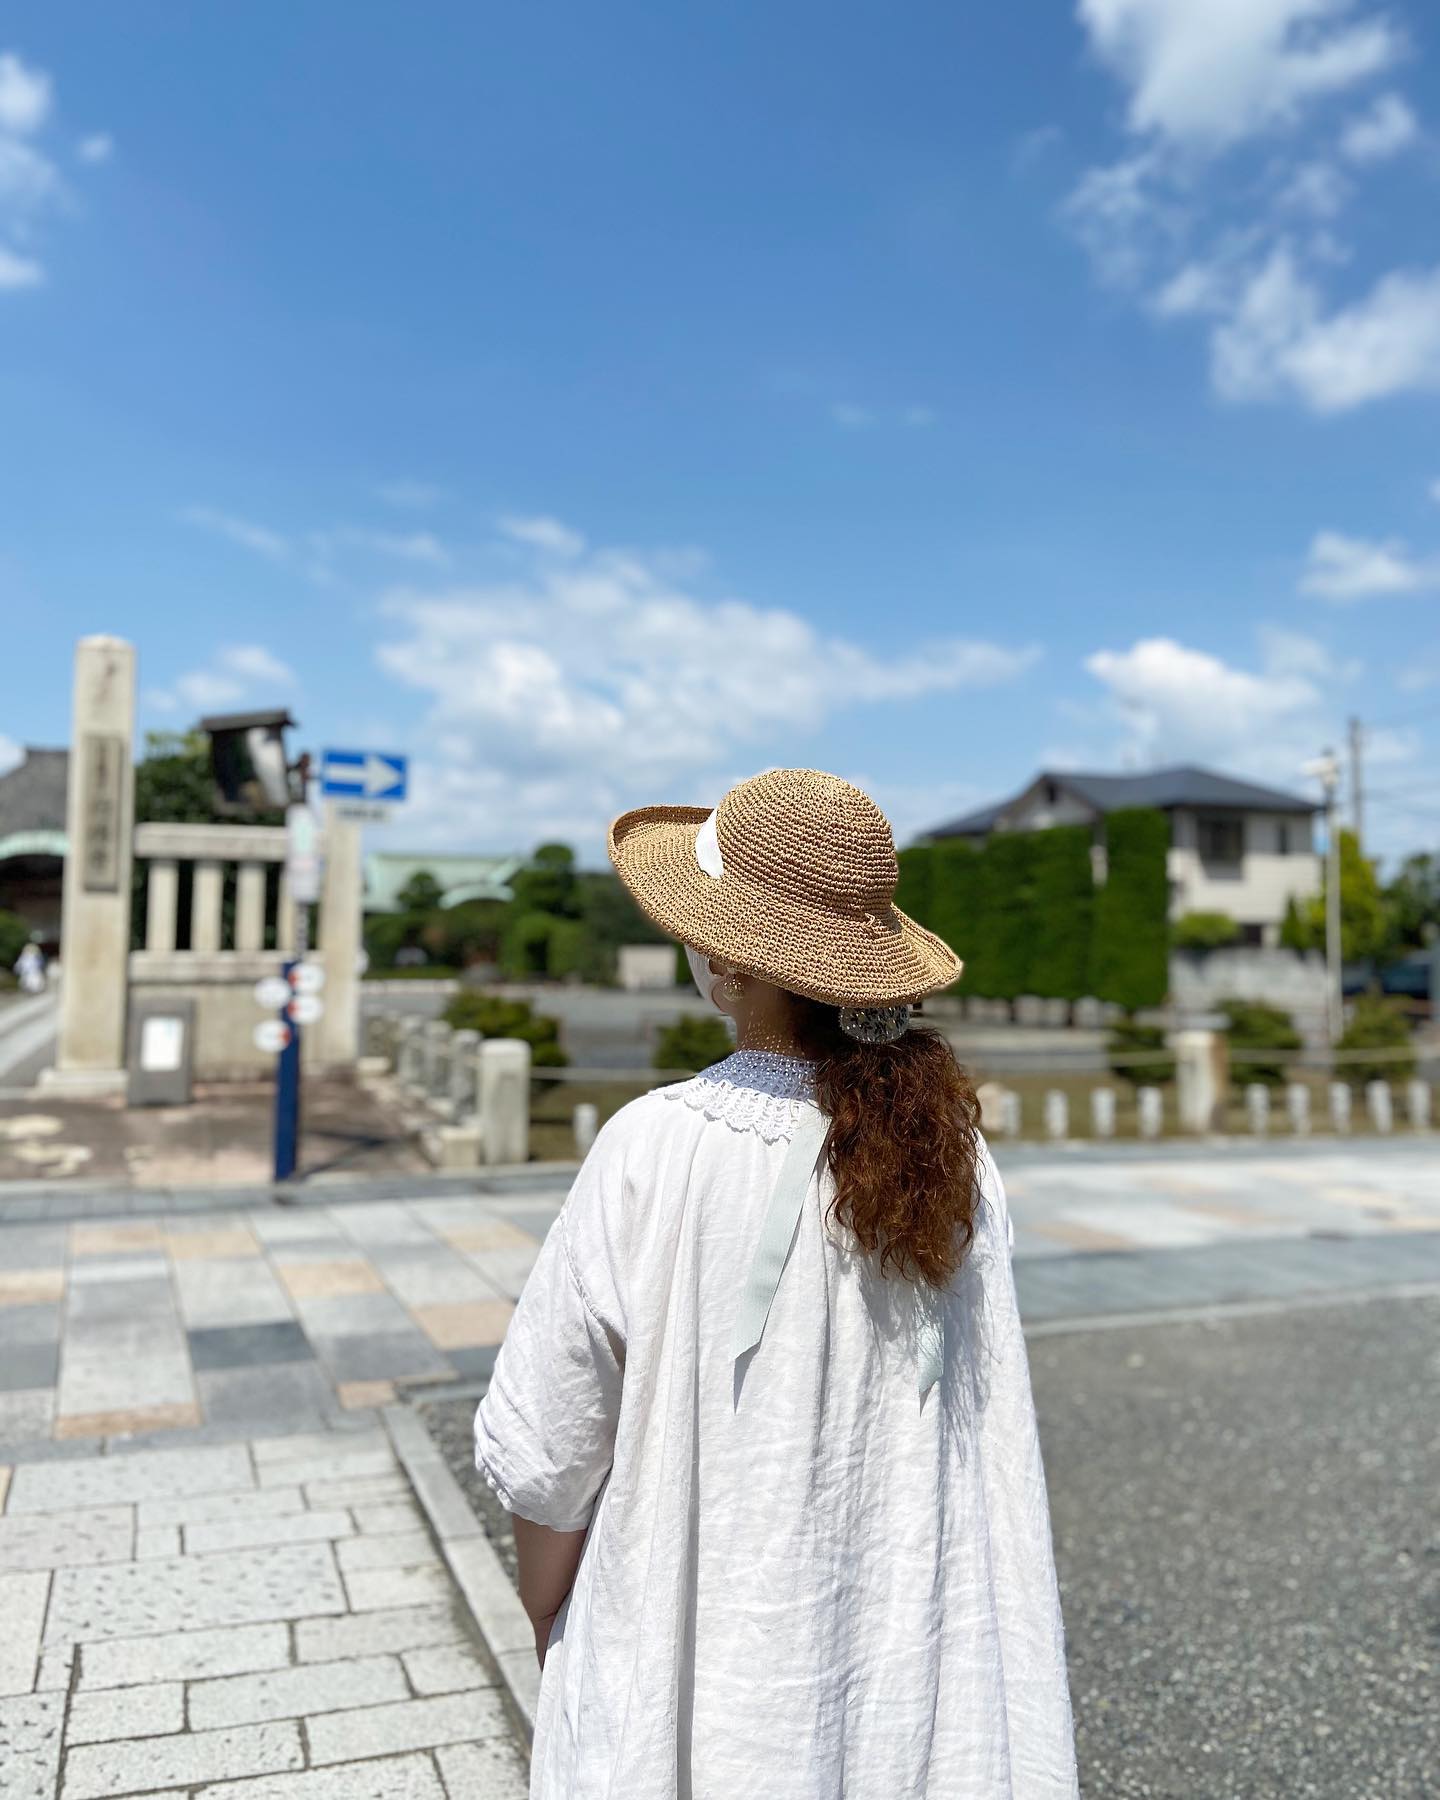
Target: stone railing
column 474, row 1092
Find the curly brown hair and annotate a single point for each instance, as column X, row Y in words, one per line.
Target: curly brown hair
column 904, row 1145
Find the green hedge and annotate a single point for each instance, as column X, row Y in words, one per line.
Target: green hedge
column 1131, row 948
column 1062, row 913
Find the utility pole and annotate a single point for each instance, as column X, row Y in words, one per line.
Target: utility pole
column 1357, row 786
column 1327, row 769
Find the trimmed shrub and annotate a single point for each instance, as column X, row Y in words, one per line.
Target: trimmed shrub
column 1256, row 1027
column 1009, row 866
column 1376, row 1024
column 492, row 1015
column 1129, row 1039
column 957, row 909
column 1063, row 887
column 914, row 892
column 14, row 936
column 692, row 1042
column 1131, row 964
column 1204, row 931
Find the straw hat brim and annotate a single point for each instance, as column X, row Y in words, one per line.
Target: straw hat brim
column 821, row 953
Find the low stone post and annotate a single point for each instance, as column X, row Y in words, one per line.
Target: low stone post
column 1201, row 1078
column 1010, row 1119
column 1152, row 1111
column 1297, row 1105
column 463, row 1075
column 409, row 1055
column 504, row 1100
column 1057, row 1115
column 436, row 1070
column 587, row 1123
column 1102, row 1112
column 1380, row 1104
column 1339, row 1106
column 1257, row 1106
column 1417, row 1103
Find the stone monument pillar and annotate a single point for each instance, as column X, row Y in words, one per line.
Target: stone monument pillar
column 338, row 1032
column 95, row 914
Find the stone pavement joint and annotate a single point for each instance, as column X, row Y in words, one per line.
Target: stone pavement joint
column 294, row 1636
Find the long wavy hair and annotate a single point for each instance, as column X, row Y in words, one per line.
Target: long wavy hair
column 904, row 1146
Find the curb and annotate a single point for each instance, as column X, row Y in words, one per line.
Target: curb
column 496, row 1615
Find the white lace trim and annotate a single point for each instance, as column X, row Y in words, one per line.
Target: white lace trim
column 752, row 1090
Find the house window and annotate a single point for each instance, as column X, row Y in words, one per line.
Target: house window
column 1221, row 838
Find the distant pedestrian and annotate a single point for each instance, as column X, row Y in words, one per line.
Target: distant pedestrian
column 30, row 969
column 763, row 1413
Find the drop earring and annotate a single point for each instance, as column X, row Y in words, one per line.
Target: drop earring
column 732, row 988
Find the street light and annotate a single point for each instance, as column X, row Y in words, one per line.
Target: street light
column 1326, row 769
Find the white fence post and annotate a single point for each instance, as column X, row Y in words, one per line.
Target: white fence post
column 1257, row 1105
column 462, row 1074
column 1339, row 1106
column 1057, row 1115
column 504, row 1100
column 1297, row 1104
column 586, row 1125
column 1417, row 1102
column 1380, row 1105
column 1199, row 1078
column 1102, row 1112
column 1010, row 1119
column 1152, row 1111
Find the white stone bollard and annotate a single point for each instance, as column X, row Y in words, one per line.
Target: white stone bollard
column 1057, row 1115
column 1102, row 1112
column 1380, row 1105
column 1417, row 1104
column 435, row 1059
column 504, row 1100
column 1297, row 1104
column 1010, row 1113
column 1339, row 1106
column 587, row 1123
column 1152, row 1111
column 410, row 1060
column 1257, row 1105
column 1199, row 1078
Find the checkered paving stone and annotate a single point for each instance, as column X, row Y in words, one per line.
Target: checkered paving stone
column 251, row 1318
column 295, row 1637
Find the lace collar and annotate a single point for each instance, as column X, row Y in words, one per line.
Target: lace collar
column 751, row 1090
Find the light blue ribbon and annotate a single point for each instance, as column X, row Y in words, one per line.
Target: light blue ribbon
column 777, row 1237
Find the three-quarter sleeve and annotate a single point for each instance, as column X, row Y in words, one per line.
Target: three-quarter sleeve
column 545, row 1430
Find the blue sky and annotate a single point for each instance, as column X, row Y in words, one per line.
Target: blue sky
column 603, row 404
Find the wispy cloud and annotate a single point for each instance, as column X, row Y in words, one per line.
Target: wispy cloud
column 1384, row 131
column 31, row 186
column 851, row 417
column 543, row 533
column 26, row 96
column 235, row 673
column 1346, row 569
column 418, row 495
column 99, row 147
column 244, row 532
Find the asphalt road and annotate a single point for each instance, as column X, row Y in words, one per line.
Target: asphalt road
column 1247, row 1526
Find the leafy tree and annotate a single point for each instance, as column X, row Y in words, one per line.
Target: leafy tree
column 465, row 934
column 1364, row 926
column 173, row 782
column 525, row 948
column 913, row 893
column 422, row 893
column 1131, row 963
column 1412, row 902
column 1129, row 1039
column 611, row 919
column 1376, row 1024
column 493, row 1016
column 1255, row 1027
column 1062, row 912
column 14, row 936
column 548, row 883
column 1204, row 931
column 692, row 1042
column 957, row 909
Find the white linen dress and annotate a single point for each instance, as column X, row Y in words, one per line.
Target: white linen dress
column 799, row 1579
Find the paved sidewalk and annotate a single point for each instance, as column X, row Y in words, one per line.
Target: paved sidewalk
column 261, row 1620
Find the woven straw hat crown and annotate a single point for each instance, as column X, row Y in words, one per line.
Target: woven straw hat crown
column 802, row 892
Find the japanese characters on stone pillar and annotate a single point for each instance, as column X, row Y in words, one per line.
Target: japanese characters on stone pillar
column 95, row 915
column 341, row 923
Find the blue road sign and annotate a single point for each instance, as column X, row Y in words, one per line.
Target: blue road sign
column 363, row 775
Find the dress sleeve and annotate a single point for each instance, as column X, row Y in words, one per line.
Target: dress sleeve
column 545, row 1430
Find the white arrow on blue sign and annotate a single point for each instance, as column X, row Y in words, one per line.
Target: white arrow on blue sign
column 363, row 775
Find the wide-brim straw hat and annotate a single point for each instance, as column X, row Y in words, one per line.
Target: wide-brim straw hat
column 792, row 879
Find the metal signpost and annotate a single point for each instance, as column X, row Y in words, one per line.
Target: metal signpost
column 364, row 784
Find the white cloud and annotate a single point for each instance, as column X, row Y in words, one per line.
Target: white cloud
column 1344, row 568
column 1209, row 73
column 1278, row 342
column 417, row 494
column 1032, row 146
column 1435, row 492
column 586, row 683
column 25, row 95
column 243, row 532
column 11, row 754
column 1178, row 704
column 1388, row 128
column 1285, row 652
column 99, row 147
column 414, row 546
column 1316, row 188
column 850, row 416
column 543, row 533
column 236, row 672
column 18, row 271
column 919, row 416
column 29, row 182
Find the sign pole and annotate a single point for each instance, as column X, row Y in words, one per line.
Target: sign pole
column 303, row 869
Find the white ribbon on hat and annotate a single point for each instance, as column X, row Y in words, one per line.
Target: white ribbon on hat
column 707, row 848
